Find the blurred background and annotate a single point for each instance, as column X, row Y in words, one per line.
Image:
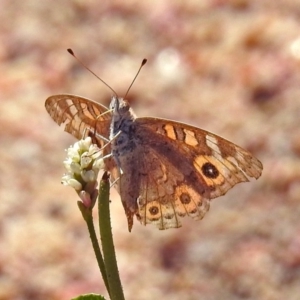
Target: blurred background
column 231, row 67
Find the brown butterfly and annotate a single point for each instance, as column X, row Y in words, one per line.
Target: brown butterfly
column 165, row 169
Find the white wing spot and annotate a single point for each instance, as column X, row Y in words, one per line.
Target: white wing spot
column 212, row 143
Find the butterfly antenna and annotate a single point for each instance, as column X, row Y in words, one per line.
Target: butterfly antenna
column 73, row 54
column 142, row 64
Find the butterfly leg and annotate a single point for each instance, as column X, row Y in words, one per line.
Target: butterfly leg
column 104, row 113
column 110, row 155
column 114, row 182
column 93, row 134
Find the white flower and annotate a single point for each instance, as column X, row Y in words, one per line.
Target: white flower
column 83, row 163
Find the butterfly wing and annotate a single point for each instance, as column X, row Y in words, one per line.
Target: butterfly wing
column 80, row 117
column 83, row 117
column 176, row 169
column 157, row 191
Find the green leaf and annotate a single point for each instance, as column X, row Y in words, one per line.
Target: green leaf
column 89, row 297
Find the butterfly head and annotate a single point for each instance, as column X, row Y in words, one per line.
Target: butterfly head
column 122, row 116
column 120, row 108
column 119, row 105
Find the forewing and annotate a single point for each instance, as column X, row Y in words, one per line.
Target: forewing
column 80, row 117
column 230, row 164
column 83, row 117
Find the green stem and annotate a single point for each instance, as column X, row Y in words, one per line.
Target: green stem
column 107, row 241
column 88, row 217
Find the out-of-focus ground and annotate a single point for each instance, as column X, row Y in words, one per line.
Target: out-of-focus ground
column 230, row 67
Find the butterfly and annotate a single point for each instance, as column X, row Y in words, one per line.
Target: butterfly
column 163, row 169
column 166, row 169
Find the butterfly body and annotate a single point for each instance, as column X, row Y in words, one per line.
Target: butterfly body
column 122, row 128
column 165, row 169
column 124, row 145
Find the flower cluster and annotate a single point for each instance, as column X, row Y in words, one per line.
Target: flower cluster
column 83, row 164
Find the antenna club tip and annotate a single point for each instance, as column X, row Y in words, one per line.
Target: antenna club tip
column 144, row 61
column 70, row 51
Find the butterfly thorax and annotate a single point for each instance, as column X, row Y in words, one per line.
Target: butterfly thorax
column 122, row 127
